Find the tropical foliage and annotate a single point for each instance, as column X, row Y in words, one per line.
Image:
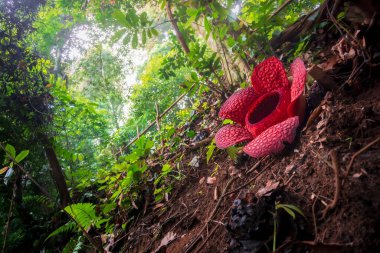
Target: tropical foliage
column 92, row 91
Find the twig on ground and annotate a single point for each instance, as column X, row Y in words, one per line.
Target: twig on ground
column 290, row 179
column 212, row 231
column 334, row 158
column 184, row 217
column 358, row 153
column 317, row 111
column 202, row 142
column 322, row 158
column 249, row 182
column 255, row 166
column 314, row 219
column 199, row 235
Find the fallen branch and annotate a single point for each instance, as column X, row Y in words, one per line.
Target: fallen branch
column 335, row 167
column 328, row 246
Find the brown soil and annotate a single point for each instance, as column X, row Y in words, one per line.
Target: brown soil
column 346, row 124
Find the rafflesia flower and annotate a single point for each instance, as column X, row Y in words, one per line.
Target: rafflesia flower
column 268, row 113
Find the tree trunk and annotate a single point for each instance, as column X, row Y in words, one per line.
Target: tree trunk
column 56, row 171
column 178, row 33
column 234, row 67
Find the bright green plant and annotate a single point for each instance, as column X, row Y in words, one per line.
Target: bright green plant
column 289, row 209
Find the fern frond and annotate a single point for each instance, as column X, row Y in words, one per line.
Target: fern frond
column 74, row 245
column 65, row 228
column 83, row 213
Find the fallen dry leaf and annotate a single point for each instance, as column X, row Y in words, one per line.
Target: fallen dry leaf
column 159, row 205
column 216, row 193
column 267, row 190
column 211, row 180
column 3, row 170
column 289, row 168
column 168, row 238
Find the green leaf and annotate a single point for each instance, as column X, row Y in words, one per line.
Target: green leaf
column 230, row 42
column 117, row 35
column 223, row 31
column 293, row 207
column 83, row 214
column 65, row 228
column 341, row 15
column 157, row 191
column 109, row 207
column 144, row 19
column 80, row 157
column 148, row 145
column 232, row 152
column 289, row 211
column 227, row 122
column 166, row 168
column 154, row 32
column 119, row 16
column 135, row 40
column 210, row 150
column 11, row 150
column 149, row 33
column 192, row 12
column 127, row 39
column 143, row 37
column 191, row 134
column 194, row 76
column 207, row 25
column 21, row 156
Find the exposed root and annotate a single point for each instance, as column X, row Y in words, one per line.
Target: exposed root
column 335, row 167
column 358, row 153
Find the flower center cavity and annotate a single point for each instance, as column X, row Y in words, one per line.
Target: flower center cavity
column 264, row 108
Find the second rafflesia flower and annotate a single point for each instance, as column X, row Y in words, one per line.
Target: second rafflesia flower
column 268, row 113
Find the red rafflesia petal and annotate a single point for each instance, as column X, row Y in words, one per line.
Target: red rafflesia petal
column 235, row 108
column 268, row 76
column 267, row 111
column 230, row 135
column 298, row 104
column 272, row 140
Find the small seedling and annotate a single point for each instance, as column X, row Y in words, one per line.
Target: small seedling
column 291, row 210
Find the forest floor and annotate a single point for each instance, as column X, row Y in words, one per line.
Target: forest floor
column 331, row 173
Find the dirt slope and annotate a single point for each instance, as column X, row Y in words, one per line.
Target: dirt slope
column 331, row 172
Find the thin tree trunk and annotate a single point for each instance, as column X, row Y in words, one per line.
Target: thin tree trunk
column 178, row 33
column 57, row 63
column 56, row 171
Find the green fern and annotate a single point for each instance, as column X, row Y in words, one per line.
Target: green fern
column 38, row 201
column 74, row 245
column 65, row 228
column 83, row 213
